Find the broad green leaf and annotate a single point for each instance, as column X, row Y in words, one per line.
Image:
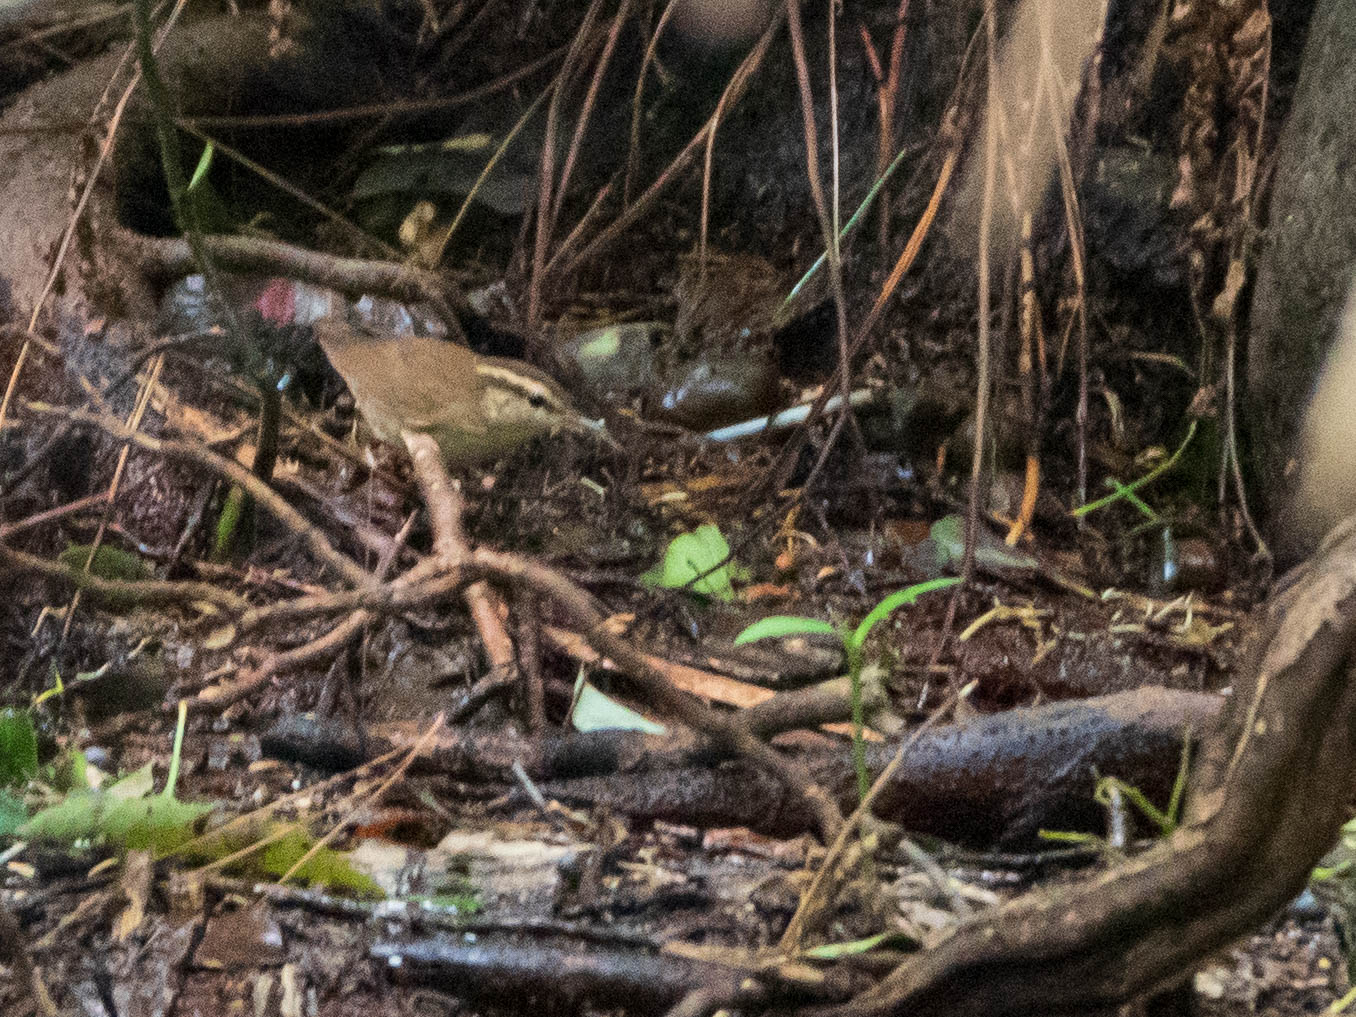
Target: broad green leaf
column 326, row 868
column 594, row 711
column 156, row 823
column 13, row 814
column 18, row 748
column 108, row 563
column 137, row 784
column 74, row 818
column 778, row 626
column 991, row 554
column 702, row 552
column 204, row 166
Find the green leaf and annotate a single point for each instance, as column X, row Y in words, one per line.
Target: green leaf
column 1102, row 795
column 70, row 772
column 75, row 817
column 153, row 821
column 594, row 711
column 1326, row 872
column 778, row 626
column 991, row 553
column 1125, row 490
column 124, row 816
column 18, row 748
column 1070, row 837
column 327, row 868
column 109, row 562
column 892, row 603
column 137, row 784
column 156, row 823
column 58, row 688
column 13, row 814
column 228, row 523
column 835, row 951
column 468, row 904
column 704, row 553
column 203, row 168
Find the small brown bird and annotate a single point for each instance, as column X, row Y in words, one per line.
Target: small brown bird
column 476, row 408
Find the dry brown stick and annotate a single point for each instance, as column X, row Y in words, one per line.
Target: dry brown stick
column 380, row 110
column 354, row 233
column 134, row 420
column 579, row 46
column 219, row 696
column 229, row 469
column 443, row 500
column 889, row 100
column 774, row 477
column 487, row 614
column 726, row 732
column 738, row 85
column 226, row 693
column 828, row 224
column 425, row 583
column 443, row 504
column 637, row 107
column 586, row 112
column 60, row 512
column 169, row 257
column 138, row 592
column 816, row 896
column 1029, row 325
column 534, row 684
column 366, row 799
column 58, row 260
column 764, row 712
column 243, row 822
column 982, row 340
column 728, row 96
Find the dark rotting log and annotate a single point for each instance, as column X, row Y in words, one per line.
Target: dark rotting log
column 1267, row 799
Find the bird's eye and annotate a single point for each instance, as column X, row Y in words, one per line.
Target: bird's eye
column 536, row 400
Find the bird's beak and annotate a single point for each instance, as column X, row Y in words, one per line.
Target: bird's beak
column 596, row 429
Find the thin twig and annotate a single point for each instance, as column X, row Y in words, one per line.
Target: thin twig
column 738, row 85
column 167, row 258
column 68, row 234
column 633, row 148
column 443, row 499
column 982, row 382
column 144, row 592
column 727, row 733
column 379, row 109
column 270, row 500
column 546, row 173
column 814, row 897
column 368, row 799
column 53, row 514
column 134, row 420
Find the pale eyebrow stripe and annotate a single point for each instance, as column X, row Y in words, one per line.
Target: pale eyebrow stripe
column 514, row 380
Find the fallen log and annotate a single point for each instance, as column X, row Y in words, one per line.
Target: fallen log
column 1267, row 799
